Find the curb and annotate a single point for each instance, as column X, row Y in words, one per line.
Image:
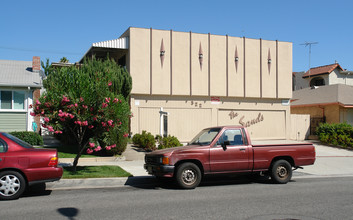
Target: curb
column 96, row 183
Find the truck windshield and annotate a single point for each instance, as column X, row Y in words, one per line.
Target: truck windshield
column 205, row 137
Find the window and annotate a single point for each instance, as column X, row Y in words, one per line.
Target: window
column 317, row 81
column 14, row 100
column 6, row 100
column 2, row 146
column 234, row 137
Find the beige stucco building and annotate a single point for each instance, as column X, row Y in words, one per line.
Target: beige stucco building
column 184, row 81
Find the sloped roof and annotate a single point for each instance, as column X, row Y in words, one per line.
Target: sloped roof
column 332, row 94
column 18, row 74
column 320, row 70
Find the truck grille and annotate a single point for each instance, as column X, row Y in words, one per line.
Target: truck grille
column 152, row 159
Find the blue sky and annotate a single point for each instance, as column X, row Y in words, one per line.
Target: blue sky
column 53, row 29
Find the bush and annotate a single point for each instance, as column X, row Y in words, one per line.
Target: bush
column 145, row 141
column 28, row 136
column 167, row 142
column 336, row 134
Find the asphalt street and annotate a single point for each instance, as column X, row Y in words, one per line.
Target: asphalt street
column 232, row 198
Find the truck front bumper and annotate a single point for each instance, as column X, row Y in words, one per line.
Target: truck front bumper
column 160, row 170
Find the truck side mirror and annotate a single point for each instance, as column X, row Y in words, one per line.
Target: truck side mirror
column 224, row 145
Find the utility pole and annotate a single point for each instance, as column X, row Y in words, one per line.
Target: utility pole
column 309, row 44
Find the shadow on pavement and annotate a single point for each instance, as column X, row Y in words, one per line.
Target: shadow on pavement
column 150, row 182
column 36, row 190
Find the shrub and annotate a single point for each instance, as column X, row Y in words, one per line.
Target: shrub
column 336, row 134
column 29, row 137
column 145, row 141
column 167, row 142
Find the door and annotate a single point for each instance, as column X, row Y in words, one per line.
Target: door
column 234, row 156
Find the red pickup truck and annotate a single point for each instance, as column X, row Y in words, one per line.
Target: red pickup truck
column 227, row 149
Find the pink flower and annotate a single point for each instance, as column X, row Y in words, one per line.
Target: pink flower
column 58, row 132
column 76, row 104
column 62, row 119
column 98, row 148
column 110, row 83
column 110, row 123
column 47, row 104
column 104, row 105
column 50, row 128
column 43, row 125
column 71, row 116
column 113, row 146
column 126, row 135
column 32, row 114
column 30, row 106
column 107, row 100
column 81, row 99
column 64, row 100
column 78, row 122
column 84, row 106
column 94, row 119
column 104, row 124
column 46, row 119
column 115, row 100
column 37, row 102
column 91, row 145
column 108, row 147
column 89, row 151
column 90, row 126
column 84, row 123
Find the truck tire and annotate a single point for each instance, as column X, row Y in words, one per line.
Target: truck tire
column 188, row 176
column 281, row 172
column 12, row 185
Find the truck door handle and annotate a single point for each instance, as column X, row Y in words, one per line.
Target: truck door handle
column 242, row 149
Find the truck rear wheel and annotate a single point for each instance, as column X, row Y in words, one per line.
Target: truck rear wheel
column 281, row 172
column 188, row 176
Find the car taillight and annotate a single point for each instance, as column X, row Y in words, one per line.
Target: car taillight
column 53, row 162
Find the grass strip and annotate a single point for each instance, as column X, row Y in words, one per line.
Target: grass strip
column 94, row 172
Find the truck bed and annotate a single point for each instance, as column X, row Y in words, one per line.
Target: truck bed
column 261, row 143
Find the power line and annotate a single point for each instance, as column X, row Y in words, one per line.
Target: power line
column 38, row 51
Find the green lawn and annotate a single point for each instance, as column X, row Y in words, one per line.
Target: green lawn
column 67, row 151
column 94, row 172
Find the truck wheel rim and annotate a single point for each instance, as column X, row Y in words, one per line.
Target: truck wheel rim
column 9, row 185
column 282, row 172
column 189, row 176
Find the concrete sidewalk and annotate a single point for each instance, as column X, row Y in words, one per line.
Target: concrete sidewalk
column 330, row 161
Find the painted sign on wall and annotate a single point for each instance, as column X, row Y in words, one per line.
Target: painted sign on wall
column 246, row 122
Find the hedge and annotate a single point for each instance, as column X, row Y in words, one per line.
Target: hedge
column 336, row 134
column 28, row 136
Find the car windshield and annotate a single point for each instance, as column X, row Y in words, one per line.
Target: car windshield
column 205, row 137
column 18, row 141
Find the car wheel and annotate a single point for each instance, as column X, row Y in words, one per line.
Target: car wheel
column 188, row 176
column 12, row 185
column 281, row 172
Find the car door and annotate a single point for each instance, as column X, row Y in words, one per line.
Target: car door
column 230, row 154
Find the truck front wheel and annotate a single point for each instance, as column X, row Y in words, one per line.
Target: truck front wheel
column 281, row 172
column 188, row 176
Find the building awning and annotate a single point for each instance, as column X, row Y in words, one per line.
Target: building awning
column 115, row 48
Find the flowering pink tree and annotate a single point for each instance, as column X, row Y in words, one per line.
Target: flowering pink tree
column 86, row 104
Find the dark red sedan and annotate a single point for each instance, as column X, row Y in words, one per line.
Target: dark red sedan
column 22, row 165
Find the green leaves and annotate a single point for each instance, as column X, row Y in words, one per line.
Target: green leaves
column 88, row 102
